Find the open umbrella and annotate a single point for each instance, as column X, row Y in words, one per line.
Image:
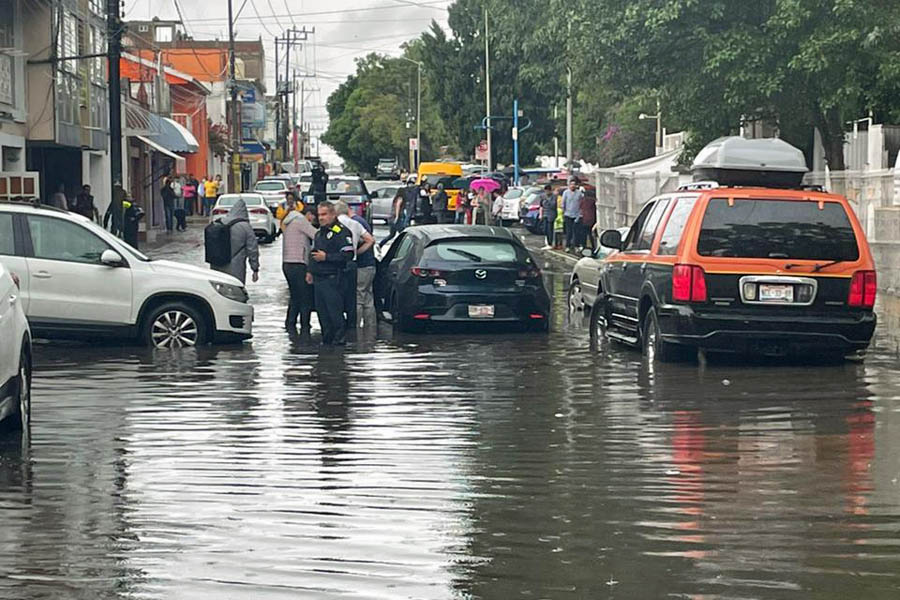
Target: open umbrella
column 489, row 185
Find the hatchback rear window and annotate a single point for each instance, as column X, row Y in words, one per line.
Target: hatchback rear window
column 472, row 251
column 777, row 229
column 270, row 186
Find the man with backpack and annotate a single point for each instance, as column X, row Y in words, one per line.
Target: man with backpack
column 230, row 242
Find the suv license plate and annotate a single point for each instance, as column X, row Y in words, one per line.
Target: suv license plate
column 481, row 311
column 776, row 293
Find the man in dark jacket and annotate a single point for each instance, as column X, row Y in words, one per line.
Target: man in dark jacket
column 439, row 205
column 332, row 250
column 318, row 183
column 168, row 198
column 84, row 203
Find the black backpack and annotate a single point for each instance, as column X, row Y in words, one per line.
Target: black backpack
column 217, row 243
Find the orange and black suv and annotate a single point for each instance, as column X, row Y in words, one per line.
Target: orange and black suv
column 748, row 262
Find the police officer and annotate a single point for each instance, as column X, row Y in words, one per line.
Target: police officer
column 331, row 251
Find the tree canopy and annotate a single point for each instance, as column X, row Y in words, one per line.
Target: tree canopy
column 713, row 65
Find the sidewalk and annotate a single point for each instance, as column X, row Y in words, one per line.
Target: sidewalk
column 168, row 245
column 535, row 243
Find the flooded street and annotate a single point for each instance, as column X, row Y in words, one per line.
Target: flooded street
column 493, row 466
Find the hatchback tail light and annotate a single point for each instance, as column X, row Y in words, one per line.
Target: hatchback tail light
column 863, row 289
column 688, row 284
column 529, row 273
column 425, row 273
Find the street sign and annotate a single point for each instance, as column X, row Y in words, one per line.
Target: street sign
column 481, row 150
column 413, row 144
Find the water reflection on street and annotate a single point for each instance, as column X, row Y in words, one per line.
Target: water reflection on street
column 449, row 466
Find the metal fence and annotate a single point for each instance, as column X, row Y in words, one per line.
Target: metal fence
column 868, row 193
column 620, row 195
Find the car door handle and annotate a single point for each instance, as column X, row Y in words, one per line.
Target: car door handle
column 643, row 267
column 43, row 275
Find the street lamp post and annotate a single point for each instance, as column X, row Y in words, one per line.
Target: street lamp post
column 658, row 118
column 418, row 109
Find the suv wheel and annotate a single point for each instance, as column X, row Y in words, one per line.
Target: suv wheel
column 654, row 348
column 23, row 390
column 174, row 325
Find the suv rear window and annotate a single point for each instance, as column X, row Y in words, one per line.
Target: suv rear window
column 794, row 229
column 472, row 251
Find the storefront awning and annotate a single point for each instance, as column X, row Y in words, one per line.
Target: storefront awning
column 252, row 151
column 171, row 135
column 180, row 162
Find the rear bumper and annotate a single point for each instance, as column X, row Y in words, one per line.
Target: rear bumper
column 527, row 306
column 767, row 334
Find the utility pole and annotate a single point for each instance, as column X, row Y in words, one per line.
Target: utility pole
column 487, row 87
column 114, row 51
column 294, row 139
column 302, row 126
column 235, row 185
column 419, row 119
column 556, row 135
column 515, row 136
column 278, row 95
column 569, row 119
column 288, row 38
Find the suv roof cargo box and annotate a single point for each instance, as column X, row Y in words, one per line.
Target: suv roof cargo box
column 736, row 161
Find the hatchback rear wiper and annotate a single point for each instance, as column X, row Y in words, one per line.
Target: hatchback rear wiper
column 816, row 268
column 468, row 255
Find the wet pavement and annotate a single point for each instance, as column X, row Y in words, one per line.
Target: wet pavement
column 468, row 466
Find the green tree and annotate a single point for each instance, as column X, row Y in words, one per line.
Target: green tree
column 369, row 113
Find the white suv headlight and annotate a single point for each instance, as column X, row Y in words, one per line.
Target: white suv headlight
column 232, row 292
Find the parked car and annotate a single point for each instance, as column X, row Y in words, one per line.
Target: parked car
column 304, row 182
column 15, row 344
column 79, row 281
column 273, row 190
column 261, row 219
column 773, row 271
column 531, row 214
column 585, row 278
column 388, row 168
column 352, row 190
column 511, row 206
column 461, row 274
column 382, row 203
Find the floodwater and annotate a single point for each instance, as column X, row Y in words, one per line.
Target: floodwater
column 450, row 466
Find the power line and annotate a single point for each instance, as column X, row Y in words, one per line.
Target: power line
column 341, row 11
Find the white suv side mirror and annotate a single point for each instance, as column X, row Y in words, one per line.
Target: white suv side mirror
column 111, row 258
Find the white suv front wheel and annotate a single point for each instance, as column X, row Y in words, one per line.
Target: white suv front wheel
column 174, row 325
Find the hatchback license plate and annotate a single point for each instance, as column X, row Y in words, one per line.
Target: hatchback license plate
column 776, row 293
column 481, row 311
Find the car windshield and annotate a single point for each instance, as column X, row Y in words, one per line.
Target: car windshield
column 305, row 178
column 344, row 186
column 513, row 194
column 270, row 186
column 249, row 200
column 782, row 229
column 472, row 251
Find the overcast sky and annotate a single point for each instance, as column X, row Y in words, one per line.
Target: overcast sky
column 345, row 30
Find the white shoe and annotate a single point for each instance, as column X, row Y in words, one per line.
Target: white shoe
column 547, row 247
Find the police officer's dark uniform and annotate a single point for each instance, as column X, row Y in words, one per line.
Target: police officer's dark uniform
column 318, row 183
column 337, row 243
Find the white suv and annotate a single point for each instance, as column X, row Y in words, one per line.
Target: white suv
column 15, row 352
column 78, row 280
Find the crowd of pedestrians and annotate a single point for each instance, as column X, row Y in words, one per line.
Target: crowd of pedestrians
column 328, row 262
column 572, row 212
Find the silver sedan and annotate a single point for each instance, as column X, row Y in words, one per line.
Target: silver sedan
column 382, row 202
column 585, row 278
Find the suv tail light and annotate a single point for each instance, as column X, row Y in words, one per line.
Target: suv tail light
column 15, row 279
column 688, row 284
column 863, row 289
